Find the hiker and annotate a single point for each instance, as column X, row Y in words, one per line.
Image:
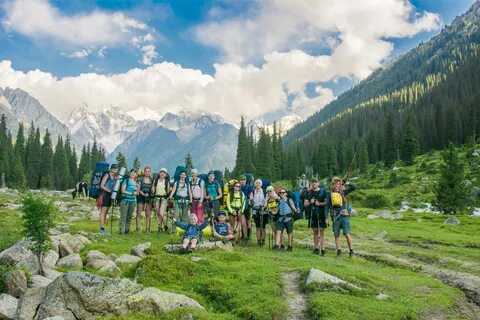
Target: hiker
column 236, row 203
column 286, row 210
column 303, row 183
column 213, row 194
column 144, row 200
column 305, row 201
column 82, row 189
column 161, row 190
column 222, row 229
column 271, row 208
column 192, row 232
column 340, row 212
column 257, row 202
column 198, row 195
column 318, row 219
column 182, row 196
column 106, row 186
column 129, row 190
column 246, row 185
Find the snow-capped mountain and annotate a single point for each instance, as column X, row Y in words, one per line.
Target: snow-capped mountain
column 284, row 121
column 110, row 126
column 208, row 138
column 18, row 106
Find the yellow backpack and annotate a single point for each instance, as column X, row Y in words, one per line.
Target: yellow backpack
column 337, row 199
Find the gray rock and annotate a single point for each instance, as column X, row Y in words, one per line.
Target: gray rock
column 8, row 307
column 127, row 260
column 30, row 264
column 50, row 259
column 72, row 261
column 68, row 244
column 52, row 274
column 382, row 296
column 54, row 318
column 28, row 304
column 20, row 251
column 96, row 259
column 452, row 220
column 16, row 283
column 78, row 295
column 385, row 214
column 381, row 235
column 196, row 259
column 372, row 217
column 142, row 250
column 155, row 301
column 110, row 269
column 39, row 281
column 328, row 281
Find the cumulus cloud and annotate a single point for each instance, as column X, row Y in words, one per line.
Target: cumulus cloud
column 357, row 34
column 38, row 19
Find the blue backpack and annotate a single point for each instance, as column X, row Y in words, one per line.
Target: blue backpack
column 101, row 168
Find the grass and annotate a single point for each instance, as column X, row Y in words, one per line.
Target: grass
column 245, row 283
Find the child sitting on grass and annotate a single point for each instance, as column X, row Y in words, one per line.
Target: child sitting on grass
column 192, row 232
column 223, row 230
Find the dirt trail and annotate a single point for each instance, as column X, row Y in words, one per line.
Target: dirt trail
column 297, row 305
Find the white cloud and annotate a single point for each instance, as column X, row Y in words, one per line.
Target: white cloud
column 149, row 54
column 38, row 19
column 281, row 25
column 80, row 54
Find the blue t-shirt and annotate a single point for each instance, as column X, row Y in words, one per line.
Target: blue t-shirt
column 221, row 228
column 212, row 189
column 130, row 188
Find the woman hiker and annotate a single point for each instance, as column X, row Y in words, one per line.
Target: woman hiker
column 144, row 200
column 129, row 190
column 161, row 190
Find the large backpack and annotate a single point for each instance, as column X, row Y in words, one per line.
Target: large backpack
column 218, row 177
column 178, row 171
column 101, row 168
column 295, row 197
column 250, row 179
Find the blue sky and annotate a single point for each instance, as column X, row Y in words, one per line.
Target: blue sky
column 174, row 20
column 238, row 57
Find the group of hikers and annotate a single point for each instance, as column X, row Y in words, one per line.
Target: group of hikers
column 196, row 203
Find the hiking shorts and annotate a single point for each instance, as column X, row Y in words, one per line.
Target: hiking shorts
column 283, row 224
column 106, row 199
column 318, row 218
column 247, row 213
column 341, row 223
column 260, row 218
column 142, row 199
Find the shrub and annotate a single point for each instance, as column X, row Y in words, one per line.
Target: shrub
column 376, row 200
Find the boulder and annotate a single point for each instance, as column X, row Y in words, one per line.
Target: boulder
column 28, row 304
column 16, row 283
column 96, row 259
column 156, row 301
column 109, row 269
column 30, row 264
column 20, row 251
column 72, row 261
column 78, row 295
column 325, row 280
column 55, row 318
column 68, row 244
column 8, row 307
column 142, row 250
column 385, row 214
column 206, row 245
column 52, row 274
column 39, row 281
column 50, row 259
column 127, row 260
column 476, row 212
column 452, row 220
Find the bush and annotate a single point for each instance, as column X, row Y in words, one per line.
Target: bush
column 376, row 200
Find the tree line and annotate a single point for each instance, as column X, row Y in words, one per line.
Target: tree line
column 32, row 161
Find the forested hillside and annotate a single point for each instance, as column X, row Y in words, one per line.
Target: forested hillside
column 425, row 100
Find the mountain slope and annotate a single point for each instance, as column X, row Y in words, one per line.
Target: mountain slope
column 438, row 55
column 210, row 141
column 19, row 106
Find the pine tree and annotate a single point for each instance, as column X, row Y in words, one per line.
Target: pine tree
column 60, row 163
column 265, row 155
column 241, row 162
column 46, row 163
column 363, row 157
column 71, row 162
column 121, row 160
column 32, row 158
column 136, row 164
column 84, row 165
column 409, row 146
column 20, row 144
column 451, row 191
column 17, row 173
column 390, row 151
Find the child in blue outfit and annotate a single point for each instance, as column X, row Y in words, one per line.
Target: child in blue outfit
column 223, row 229
column 192, row 232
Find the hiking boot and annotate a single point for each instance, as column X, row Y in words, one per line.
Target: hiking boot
column 351, row 253
column 322, row 252
column 339, row 252
column 103, row 232
column 282, row 246
column 316, row 251
column 165, row 228
column 290, row 248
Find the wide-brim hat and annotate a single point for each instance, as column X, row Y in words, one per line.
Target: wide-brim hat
column 164, row 170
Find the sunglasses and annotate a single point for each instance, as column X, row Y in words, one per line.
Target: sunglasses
column 282, row 192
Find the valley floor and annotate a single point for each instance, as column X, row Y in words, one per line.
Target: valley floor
column 399, row 259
